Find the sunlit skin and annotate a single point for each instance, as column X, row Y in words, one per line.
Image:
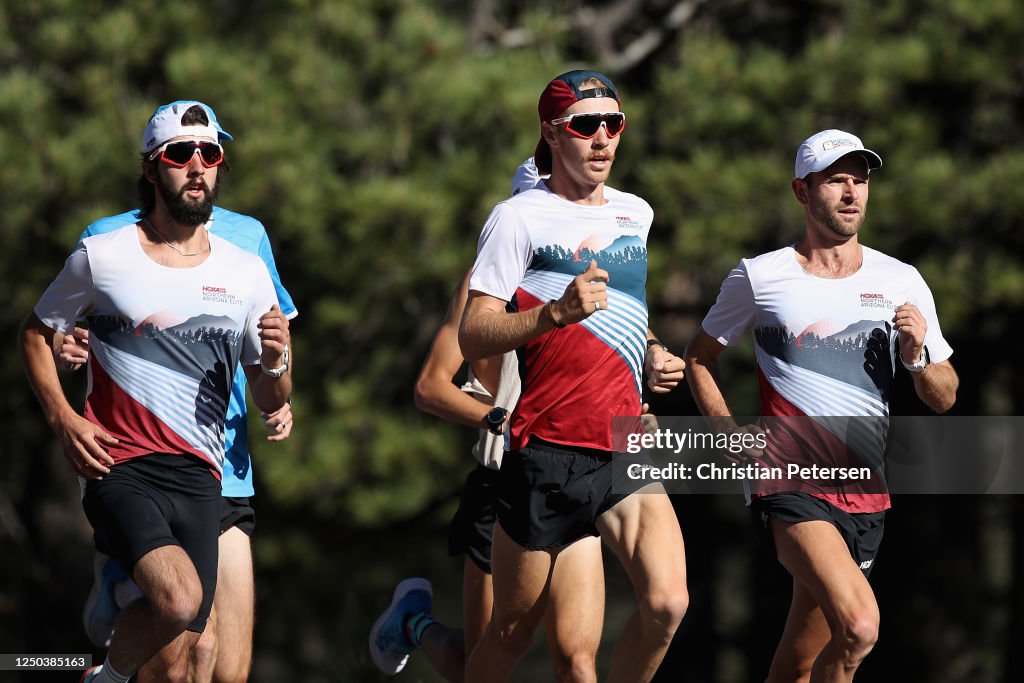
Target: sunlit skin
column 835, row 199
column 583, row 165
column 189, row 187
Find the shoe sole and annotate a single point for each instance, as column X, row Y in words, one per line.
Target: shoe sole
column 401, row 590
column 98, row 566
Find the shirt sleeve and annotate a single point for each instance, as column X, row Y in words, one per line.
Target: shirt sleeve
column 263, row 298
column 938, row 348
column 503, row 254
column 71, row 295
column 734, row 313
column 284, row 299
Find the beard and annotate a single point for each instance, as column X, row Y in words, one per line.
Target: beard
column 184, row 210
column 830, row 219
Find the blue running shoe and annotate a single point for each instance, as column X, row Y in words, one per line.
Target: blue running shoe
column 101, row 607
column 389, row 646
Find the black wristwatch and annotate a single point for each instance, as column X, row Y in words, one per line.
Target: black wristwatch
column 496, row 420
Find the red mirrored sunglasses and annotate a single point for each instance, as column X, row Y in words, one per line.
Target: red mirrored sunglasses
column 180, row 152
column 586, row 125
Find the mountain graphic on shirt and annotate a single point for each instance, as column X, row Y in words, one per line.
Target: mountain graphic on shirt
column 192, row 347
column 625, row 259
column 161, row 320
column 204, row 322
column 859, row 354
column 852, row 336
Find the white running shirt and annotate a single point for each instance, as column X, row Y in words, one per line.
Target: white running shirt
column 164, row 342
column 825, row 347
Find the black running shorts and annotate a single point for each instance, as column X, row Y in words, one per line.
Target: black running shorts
column 237, row 512
column 154, row 501
column 550, row 495
column 862, row 532
column 472, row 529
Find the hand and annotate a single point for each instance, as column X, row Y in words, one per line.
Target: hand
column 280, row 422
column 274, row 336
column 648, row 419
column 74, row 350
column 749, row 452
column 663, row 370
column 587, row 292
column 83, row 443
column 912, row 327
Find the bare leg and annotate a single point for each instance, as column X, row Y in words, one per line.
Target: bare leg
column 520, row 599
column 171, row 596
column 816, row 556
column 644, row 534
column 224, row 650
column 477, row 603
column 446, row 647
column 234, row 603
column 174, row 663
column 575, row 615
column 805, row 635
column 204, row 654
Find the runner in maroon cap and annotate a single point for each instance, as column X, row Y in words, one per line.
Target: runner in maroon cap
column 560, row 276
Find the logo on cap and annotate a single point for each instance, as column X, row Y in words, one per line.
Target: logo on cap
column 837, row 143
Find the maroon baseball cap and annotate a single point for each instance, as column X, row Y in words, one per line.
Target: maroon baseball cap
column 560, row 94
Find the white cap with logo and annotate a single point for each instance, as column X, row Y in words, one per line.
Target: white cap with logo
column 165, row 124
column 823, row 149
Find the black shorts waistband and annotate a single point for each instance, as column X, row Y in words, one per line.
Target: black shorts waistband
column 537, row 443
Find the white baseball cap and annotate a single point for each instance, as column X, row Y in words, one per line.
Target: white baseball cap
column 823, row 149
column 166, row 124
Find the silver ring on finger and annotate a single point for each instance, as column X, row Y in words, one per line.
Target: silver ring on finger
column 597, row 306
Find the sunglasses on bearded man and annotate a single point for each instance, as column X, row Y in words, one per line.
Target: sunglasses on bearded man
column 180, row 152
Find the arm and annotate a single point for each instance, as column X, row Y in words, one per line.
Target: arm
column 435, row 393
column 937, row 384
column 82, row 441
column 280, row 422
column 702, row 361
column 271, row 393
column 663, row 369
column 488, row 329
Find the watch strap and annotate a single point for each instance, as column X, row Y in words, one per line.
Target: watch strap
column 281, row 369
column 923, row 362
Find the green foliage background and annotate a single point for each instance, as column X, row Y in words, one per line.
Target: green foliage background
column 372, row 139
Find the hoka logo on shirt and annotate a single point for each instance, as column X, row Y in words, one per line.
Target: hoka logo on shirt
column 627, row 223
column 220, row 295
column 874, row 300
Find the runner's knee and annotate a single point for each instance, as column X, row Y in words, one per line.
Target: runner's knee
column 663, row 610
column 513, row 638
column 575, row 666
column 858, row 634
column 179, row 601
